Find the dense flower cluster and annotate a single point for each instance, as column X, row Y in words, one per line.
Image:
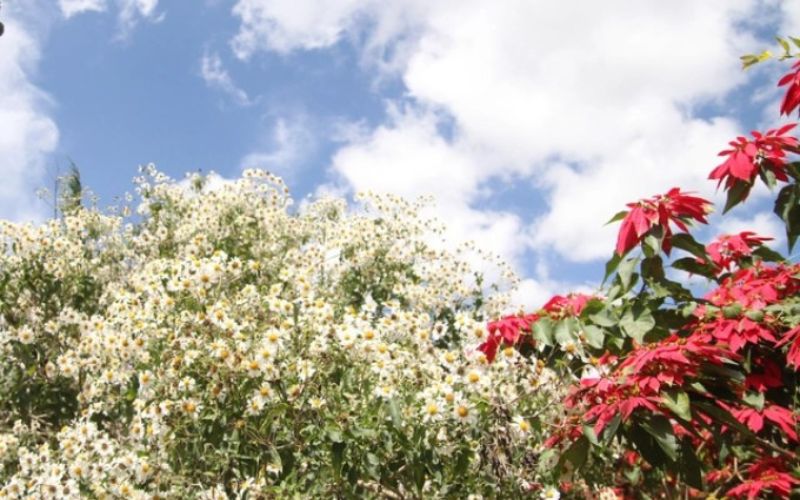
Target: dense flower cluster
column 219, row 344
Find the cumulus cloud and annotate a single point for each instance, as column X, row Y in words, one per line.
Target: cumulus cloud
column 216, row 76
column 284, row 149
column 592, row 103
column 70, row 8
column 28, row 134
column 130, row 12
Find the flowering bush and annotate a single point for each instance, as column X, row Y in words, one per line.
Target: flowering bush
column 684, row 395
column 218, row 344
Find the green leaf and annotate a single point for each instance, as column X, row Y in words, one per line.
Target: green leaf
column 606, row 318
column 678, row 403
column 647, row 446
column 755, row 399
column 795, row 41
column 690, row 466
column 617, row 217
column 594, row 336
column 543, row 331
column 576, row 454
column 686, row 241
column 659, row 427
column 736, row 195
column 627, row 277
column 787, row 207
column 565, row 330
column 637, row 325
column 768, row 254
column 787, row 50
column 690, row 265
column 653, row 268
column 612, row 265
column 768, row 178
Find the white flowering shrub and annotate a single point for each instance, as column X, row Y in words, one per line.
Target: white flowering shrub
column 219, row 344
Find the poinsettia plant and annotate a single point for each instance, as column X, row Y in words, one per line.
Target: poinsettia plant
column 675, row 394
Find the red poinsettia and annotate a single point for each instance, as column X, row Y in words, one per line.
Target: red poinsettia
column 767, row 475
column 570, row 305
column 508, row 329
column 754, row 419
column 732, row 248
column 746, row 157
column 792, row 98
column 659, row 211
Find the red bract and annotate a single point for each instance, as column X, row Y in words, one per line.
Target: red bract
column 792, row 98
column 509, row 330
column 766, row 150
column 732, row 248
column 736, row 333
column 659, row 211
column 768, row 474
column 569, row 305
column 754, row 419
column 770, row 378
column 793, row 356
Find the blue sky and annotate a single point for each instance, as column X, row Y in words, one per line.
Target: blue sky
column 530, row 121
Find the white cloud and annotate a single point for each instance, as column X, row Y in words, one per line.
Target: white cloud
column 129, row 15
column 283, row 25
column 286, row 147
column 132, row 11
column 591, row 102
column 27, row 132
column 70, row 8
column 216, row 76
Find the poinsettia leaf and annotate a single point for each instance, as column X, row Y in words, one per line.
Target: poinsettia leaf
column 768, row 177
column 606, row 318
column 611, row 429
column 690, row 467
column 787, row 50
column 690, row 265
column 637, row 325
column 612, row 265
column 576, row 454
column 787, row 207
column 754, row 399
column 617, row 217
column 543, row 331
column 736, row 194
column 768, row 254
column 686, row 241
column 678, row 403
column 653, row 268
column 627, row 277
column 594, row 336
column 646, row 445
column 593, row 306
column 660, row 428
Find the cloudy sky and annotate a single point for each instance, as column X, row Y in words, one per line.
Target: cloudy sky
column 531, row 121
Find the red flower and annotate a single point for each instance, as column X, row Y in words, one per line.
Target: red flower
column 793, row 336
column 769, row 379
column 754, row 419
column 569, row 305
column 765, row 150
column 658, row 211
column 792, row 98
column 732, row 248
column 509, row 330
column 769, row 474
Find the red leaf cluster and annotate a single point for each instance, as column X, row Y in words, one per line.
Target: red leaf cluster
column 659, row 211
